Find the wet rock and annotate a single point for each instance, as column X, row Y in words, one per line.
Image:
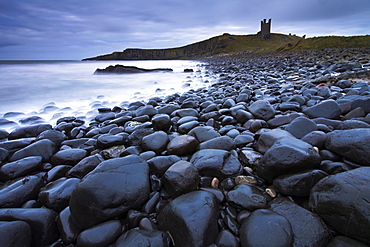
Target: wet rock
column 300, row 127
column 222, row 142
column 268, row 138
column 298, row 184
column 191, row 219
column 56, row 172
column 315, row 138
column 146, row 110
column 68, row 157
column 326, row 109
column 266, row 228
column 262, row 109
column 338, row 198
column 15, row 233
column 19, row 168
column 3, row 155
column 301, row 219
column 216, row 163
column 101, row 117
column 353, row 144
column 161, row 122
column 44, row 148
column 287, row 155
column 112, row 188
column 15, row 193
column 342, row 241
column 181, row 178
column 226, row 239
column 55, row 195
column 53, row 135
column 85, row 166
column 255, row 125
column 203, row 133
column 113, row 152
column 137, row 237
column 102, row 234
column 160, row 164
column 41, row 220
column 134, row 139
column 181, row 145
column 352, row 124
column 3, row 134
column 14, row 145
column 67, row 228
column 108, row 140
column 29, row 131
column 247, row 196
column 156, row 142
column 186, row 127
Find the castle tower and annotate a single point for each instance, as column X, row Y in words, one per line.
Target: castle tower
column 265, row 29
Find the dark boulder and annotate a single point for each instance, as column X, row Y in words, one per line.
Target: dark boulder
column 29, row 131
column 222, row 142
column 262, row 109
column 266, row 228
column 342, row 241
column 41, row 220
column 326, row 109
column 203, row 133
column 247, row 196
column 342, row 200
column 191, row 219
column 137, row 237
column 298, row 184
column 161, row 122
column 15, row 233
column 308, row 229
column 67, row 228
column 287, row 155
column 68, row 157
column 15, row 193
column 112, row 188
column 44, row 148
column 354, row 144
column 156, row 142
column 55, row 195
column 216, row 163
column 53, row 135
column 108, row 140
column 181, row 145
column 20, row 167
column 102, row 234
column 315, row 138
column 85, row 166
column 181, row 178
column 300, row 127
column 160, row 164
column 267, row 139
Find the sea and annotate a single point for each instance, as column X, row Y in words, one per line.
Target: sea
column 48, row 90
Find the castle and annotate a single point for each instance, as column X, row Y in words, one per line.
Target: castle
column 265, row 29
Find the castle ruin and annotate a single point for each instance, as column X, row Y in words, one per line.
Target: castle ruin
column 265, row 32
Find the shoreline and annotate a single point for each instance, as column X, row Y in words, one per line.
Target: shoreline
column 264, row 144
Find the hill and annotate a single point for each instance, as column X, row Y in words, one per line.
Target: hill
column 232, row 44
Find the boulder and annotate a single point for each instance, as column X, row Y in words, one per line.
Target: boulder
column 137, row 237
column 102, row 234
column 262, row 109
column 308, row 229
column 160, row 164
column 44, row 148
column 300, row 127
column 267, row 139
column 353, row 144
column 111, row 189
column 156, row 142
column 266, row 228
column 342, row 200
column 15, row 233
column 191, row 219
column 287, row 155
column 68, row 156
column 85, row 166
column 222, row 142
column 326, row 109
column 20, row 167
column 216, row 163
column 182, row 145
column 247, row 196
column 67, row 228
column 28, row 131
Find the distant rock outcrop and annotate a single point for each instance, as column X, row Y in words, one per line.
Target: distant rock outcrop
column 121, row 69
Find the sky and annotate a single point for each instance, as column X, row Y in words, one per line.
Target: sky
column 76, row 29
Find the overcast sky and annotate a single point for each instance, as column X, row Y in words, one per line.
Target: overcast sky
column 76, row 29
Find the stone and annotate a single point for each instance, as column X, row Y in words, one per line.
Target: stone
column 156, row 142
column 315, row 138
column 298, row 184
column 3, row 134
column 159, row 164
column 188, row 126
column 342, row 241
column 67, row 228
column 247, row 196
column 182, row 145
column 108, row 140
column 180, row 178
column 216, row 163
column 15, row 193
column 41, row 220
column 55, row 195
column 111, row 189
column 326, row 109
column 255, row 125
column 68, row 157
column 221, row 142
column 137, row 237
column 102, row 234
column 191, row 219
column 262, row 109
column 342, row 200
column 226, row 239
column 352, row 124
column 3, row 155
column 161, row 122
column 353, row 144
column 300, row 127
column 15, row 233
column 53, row 135
column 203, row 133
column 44, row 148
column 85, row 166
column 301, row 220
column 268, row 138
column 266, row 228
column 56, row 172
column 19, row 168
column 28, row 131
column 146, row 110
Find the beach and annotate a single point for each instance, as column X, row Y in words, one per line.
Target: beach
column 260, row 148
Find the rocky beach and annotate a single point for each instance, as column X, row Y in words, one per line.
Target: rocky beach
column 277, row 153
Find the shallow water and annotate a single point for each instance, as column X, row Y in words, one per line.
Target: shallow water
column 53, row 89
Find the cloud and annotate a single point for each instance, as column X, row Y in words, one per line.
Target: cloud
column 90, row 27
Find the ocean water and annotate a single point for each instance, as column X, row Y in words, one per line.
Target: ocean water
column 54, row 89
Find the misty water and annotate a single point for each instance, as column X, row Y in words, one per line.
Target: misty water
column 54, row 89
